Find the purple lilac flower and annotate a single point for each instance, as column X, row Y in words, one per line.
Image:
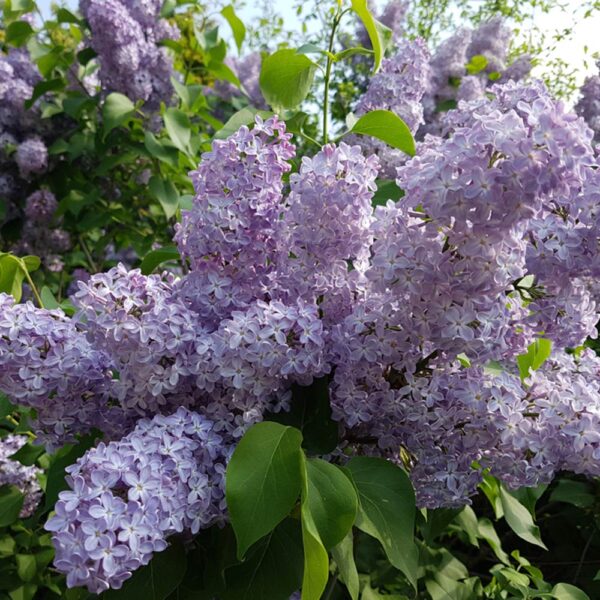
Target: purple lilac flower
column 127, row 497
column 247, row 69
column 40, row 206
column 31, row 157
column 25, row 478
column 125, row 34
column 231, row 235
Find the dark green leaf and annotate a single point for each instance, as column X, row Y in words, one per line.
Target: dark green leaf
column 387, row 127
column 237, row 26
column 66, row 456
column 387, row 510
column 246, row 116
column 166, row 193
column 157, row 257
column 116, row 110
column 273, row 568
column 27, row 454
column 263, row 481
column 158, row 149
column 18, row 32
column 157, row 580
column 84, row 56
column 26, row 566
column 66, row 16
column 49, row 85
column 520, row 519
column 179, row 129
column 11, row 502
column 387, row 189
column 286, row 78
column 343, row 554
column 310, row 412
column 578, row 493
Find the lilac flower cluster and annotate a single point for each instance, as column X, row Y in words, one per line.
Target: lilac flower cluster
column 48, row 365
column 494, row 244
column 399, row 86
column 126, row 34
column 450, row 80
column 25, row 478
column 41, row 234
column 230, row 237
column 127, row 497
column 588, row 105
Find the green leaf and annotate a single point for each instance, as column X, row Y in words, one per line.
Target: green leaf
column 189, row 94
column 158, row 149
column 49, row 85
column 179, row 129
column 116, row 110
column 237, row 26
column 519, row 519
column 310, row 412
column 379, row 34
column 157, row 580
column 66, row 456
column 316, row 559
column 331, row 499
column 27, row 454
column 31, row 263
column 387, row 189
column 246, row 116
column 26, row 566
column 566, row 591
column 263, row 481
column 343, row 554
column 387, row 510
column 272, row 569
column 18, row 32
column 157, row 257
column 286, row 78
column 84, row 56
column 536, row 356
column 477, row 64
column 387, row 127
column 166, row 193
column 11, row 276
column 50, row 302
column 66, row 16
column 577, row 493
column 11, row 502
column 168, row 8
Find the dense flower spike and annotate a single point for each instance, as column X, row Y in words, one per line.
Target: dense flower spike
column 23, row 477
column 399, row 87
column 126, row 35
column 231, row 236
column 453, row 78
column 127, row 497
column 247, row 69
column 48, row 365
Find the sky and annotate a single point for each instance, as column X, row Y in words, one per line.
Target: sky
column 586, row 32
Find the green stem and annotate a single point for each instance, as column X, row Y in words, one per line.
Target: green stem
column 336, row 21
column 330, row 587
column 88, row 256
column 34, row 289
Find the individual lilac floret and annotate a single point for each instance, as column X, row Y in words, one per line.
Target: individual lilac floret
column 127, row 497
column 399, row 87
column 232, row 235
column 41, row 206
column 126, row 35
column 47, row 364
column 25, row 478
column 588, row 105
column 32, row 157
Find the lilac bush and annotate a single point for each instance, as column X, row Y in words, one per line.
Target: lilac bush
column 126, row 35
